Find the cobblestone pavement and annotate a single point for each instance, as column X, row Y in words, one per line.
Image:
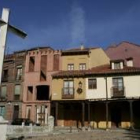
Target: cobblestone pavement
column 92, row 135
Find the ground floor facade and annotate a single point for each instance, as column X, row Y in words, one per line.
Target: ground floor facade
column 38, row 112
column 11, row 110
column 97, row 114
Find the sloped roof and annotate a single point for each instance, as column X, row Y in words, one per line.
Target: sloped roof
column 100, row 70
column 123, row 51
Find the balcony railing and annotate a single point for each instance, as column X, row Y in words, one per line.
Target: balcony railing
column 68, row 93
column 118, row 92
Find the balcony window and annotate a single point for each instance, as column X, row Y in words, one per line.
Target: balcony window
column 68, row 90
column 92, row 83
column 17, row 92
column 82, row 66
column 70, row 66
column 19, row 72
column 3, row 92
column 118, row 87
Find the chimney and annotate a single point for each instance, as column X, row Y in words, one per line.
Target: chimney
column 129, row 62
column 82, row 47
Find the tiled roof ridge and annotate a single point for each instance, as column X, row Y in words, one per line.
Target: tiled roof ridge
column 102, row 69
column 121, row 43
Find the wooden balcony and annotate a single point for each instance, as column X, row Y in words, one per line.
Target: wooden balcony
column 117, row 92
column 68, row 93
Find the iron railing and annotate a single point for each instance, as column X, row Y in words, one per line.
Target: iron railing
column 117, row 92
column 68, row 93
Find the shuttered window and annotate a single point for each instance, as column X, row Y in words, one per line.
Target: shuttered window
column 3, row 91
column 17, row 89
column 17, row 92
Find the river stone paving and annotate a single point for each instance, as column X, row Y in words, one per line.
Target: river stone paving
column 92, row 135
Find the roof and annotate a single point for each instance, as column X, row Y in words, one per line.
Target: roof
column 125, row 50
column 78, row 51
column 98, row 71
column 39, row 48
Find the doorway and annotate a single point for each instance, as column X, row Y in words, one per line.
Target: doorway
column 16, row 112
column 115, row 117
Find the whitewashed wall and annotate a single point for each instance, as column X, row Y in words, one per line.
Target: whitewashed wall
column 131, row 84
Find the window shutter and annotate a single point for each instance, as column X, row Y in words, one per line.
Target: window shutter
column 17, row 90
column 3, row 91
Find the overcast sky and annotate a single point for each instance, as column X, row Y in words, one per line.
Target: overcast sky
column 64, row 24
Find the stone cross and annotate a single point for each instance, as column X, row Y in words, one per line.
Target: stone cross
column 4, row 27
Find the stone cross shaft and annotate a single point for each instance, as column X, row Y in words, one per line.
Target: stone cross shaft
column 4, row 28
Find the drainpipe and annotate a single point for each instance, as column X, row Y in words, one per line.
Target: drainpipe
column 106, row 104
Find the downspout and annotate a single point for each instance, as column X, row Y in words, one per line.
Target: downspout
column 106, row 103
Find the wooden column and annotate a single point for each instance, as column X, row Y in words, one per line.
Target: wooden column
column 131, row 114
column 89, row 113
column 56, row 113
column 106, row 114
column 83, row 114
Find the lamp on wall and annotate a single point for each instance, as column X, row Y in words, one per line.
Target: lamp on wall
column 80, row 84
column 79, row 90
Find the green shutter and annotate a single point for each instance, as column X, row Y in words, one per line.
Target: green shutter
column 3, row 91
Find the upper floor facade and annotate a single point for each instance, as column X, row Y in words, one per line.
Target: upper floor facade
column 83, row 58
column 107, row 82
column 13, row 76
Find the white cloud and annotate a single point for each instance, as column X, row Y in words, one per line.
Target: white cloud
column 77, row 16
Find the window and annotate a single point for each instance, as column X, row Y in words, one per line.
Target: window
column 31, row 64
column 118, row 83
column 117, row 65
column 3, row 92
column 43, row 68
column 2, row 111
column 28, row 112
column 70, row 66
column 19, row 72
column 17, row 92
column 16, row 112
column 68, row 87
column 82, row 66
column 92, row 83
column 5, row 75
column 29, row 93
column 56, row 62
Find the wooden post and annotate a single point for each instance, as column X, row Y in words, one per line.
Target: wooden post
column 106, row 103
column 83, row 114
column 106, row 115
column 56, row 113
column 131, row 114
column 89, row 114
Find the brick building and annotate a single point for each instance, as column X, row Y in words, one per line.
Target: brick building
column 11, row 86
column 40, row 64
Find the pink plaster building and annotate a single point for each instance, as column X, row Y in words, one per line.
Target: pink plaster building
column 127, row 51
column 40, row 64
